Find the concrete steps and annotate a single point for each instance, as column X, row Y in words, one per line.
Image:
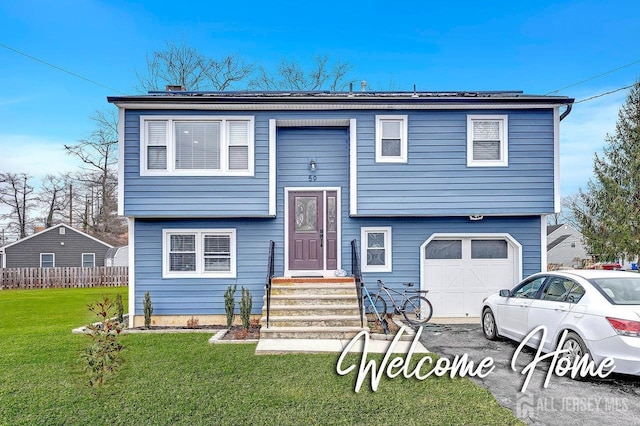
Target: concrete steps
column 312, row 308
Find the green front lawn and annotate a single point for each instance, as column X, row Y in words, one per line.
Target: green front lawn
column 181, row 379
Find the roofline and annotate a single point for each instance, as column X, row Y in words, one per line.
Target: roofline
column 338, row 100
column 49, row 229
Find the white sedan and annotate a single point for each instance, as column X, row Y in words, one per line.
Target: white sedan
column 600, row 310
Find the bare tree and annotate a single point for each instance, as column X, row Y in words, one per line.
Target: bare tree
column 179, row 64
column 17, row 193
column 97, row 180
column 54, row 197
column 291, row 75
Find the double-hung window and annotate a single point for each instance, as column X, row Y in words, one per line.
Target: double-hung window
column 88, row 260
column 47, row 260
column 376, row 249
column 391, row 138
column 206, row 146
column 487, row 141
column 199, row 253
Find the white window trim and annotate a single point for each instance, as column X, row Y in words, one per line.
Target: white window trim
column 403, row 138
column 54, row 259
column 224, row 146
column 87, row 254
column 199, row 272
column 504, row 141
column 386, row 230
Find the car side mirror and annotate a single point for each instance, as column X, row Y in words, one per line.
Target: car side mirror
column 505, row 293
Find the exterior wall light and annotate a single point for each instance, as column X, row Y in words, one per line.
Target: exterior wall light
column 312, row 166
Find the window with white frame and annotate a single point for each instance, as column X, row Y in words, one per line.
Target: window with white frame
column 196, row 146
column 487, row 141
column 47, row 260
column 199, row 253
column 88, row 260
column 391, row 138
column 376, row 249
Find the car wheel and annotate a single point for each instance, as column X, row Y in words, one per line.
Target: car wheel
column 489, row 324
column 575, row 348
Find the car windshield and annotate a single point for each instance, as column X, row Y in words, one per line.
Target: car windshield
column 620, row 291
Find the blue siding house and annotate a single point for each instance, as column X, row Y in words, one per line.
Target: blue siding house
column 448, row 190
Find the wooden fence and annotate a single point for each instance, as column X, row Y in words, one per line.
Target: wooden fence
column 34, row 278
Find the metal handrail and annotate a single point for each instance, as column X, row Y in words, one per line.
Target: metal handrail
column 357, row 275
column 270, row 273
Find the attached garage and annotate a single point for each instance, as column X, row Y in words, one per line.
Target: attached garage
column 461, row 270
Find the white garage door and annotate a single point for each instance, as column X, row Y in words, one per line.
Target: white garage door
column 461, row 271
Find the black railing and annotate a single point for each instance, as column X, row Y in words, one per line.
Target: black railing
column 357, row 275
column 270, row 273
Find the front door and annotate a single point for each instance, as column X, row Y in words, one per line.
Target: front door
column 312, row 228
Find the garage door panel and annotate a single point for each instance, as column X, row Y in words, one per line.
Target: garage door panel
column 458, row 286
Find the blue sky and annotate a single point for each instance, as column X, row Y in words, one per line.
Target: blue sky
column 534, row 46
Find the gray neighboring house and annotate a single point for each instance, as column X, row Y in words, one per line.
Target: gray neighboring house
column 58, row 246
column 565, row 247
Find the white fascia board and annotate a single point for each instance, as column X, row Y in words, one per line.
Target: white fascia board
column 56, row 227
column 556, row 160
column 272, row 167
column 121, row 116
column 353, row 168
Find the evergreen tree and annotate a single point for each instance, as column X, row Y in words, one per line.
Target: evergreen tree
column 609, row 214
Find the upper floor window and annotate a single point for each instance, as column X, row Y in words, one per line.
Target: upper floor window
column 199, row 253
column 196, row 146
column 391, row 138
column 487, row 142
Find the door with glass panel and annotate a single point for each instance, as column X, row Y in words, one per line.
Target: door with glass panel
column 313, row 230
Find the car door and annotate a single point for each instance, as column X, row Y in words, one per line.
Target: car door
column 513, row 311
column 552, row 309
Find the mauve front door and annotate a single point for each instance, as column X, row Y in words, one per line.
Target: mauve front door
column 306, row 218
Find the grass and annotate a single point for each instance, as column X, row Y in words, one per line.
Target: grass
column 171, row 379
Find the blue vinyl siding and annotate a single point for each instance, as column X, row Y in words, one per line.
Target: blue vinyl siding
column 436, row 179
column 194, row 196
column 434, row 182
column 192, row 296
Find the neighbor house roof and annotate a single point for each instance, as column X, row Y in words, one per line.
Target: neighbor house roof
column 50, row 229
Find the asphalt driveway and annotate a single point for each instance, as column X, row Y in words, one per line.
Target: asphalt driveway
column 614, row 400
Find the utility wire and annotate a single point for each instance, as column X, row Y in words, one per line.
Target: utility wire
column 60, row 69
column 604, row 94
column 596, row 76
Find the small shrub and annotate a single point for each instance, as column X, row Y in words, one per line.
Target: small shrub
column 193, row 323
column 230, row 304
column 246, row 303
column 148, row 310
column 103, row 356
column 119, row 308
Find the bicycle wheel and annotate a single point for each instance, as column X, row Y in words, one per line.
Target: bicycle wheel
column 417, row 310
column 379, row 303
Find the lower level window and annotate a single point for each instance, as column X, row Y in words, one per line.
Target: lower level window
column 376, row 249
column 198, row 253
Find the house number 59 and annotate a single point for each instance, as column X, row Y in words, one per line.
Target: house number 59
column 313, row 178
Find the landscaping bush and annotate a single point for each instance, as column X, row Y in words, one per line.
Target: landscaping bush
column 148, row 310
column 230, row 304
column 103, row 356
column 245, row 308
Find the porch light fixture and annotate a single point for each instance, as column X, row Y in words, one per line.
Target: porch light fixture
column 312, row 166
column 476, row 217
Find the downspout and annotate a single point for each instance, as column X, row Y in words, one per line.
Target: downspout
column 566, row 111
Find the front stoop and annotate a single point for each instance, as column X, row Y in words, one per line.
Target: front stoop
column 312, row 308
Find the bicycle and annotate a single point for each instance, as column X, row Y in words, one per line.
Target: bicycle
column 416, row 309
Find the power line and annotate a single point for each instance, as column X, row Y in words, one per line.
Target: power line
column 604, row 94
column 596, row 76
column 60, row 69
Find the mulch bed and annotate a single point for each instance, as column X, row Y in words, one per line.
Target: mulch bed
column 376, row 327
column 237, row 332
